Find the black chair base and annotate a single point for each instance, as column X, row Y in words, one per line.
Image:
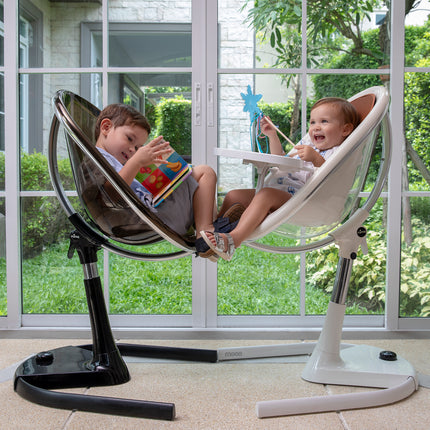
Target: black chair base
column 99, row 364
column 73, row 367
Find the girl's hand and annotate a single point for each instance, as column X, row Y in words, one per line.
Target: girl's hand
column 266, row 128
column 307, row 153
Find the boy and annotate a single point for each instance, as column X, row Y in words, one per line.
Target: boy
column 121, row 132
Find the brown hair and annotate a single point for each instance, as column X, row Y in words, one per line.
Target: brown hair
column 348, row 111
column 120, row 115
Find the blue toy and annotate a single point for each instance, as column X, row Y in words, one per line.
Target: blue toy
column 255, row 116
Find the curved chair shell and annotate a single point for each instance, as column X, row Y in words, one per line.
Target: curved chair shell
column 108, row 201
column 330, row 195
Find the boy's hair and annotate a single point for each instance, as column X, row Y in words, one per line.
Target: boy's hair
column 120, row 115
column 348, row 111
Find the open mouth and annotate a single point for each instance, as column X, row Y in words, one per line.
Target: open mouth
column 319, row 137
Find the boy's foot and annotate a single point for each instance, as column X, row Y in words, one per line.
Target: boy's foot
column 221, row 243
column 203, row 250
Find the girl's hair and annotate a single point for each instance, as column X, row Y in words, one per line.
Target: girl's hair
column 346, row 109
column 120, row 115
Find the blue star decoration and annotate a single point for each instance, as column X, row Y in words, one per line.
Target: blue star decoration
column 251, row 101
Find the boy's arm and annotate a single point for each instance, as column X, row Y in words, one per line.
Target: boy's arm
column 146, row 155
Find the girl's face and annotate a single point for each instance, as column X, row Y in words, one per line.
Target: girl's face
column 121, row 142
column 327, row 128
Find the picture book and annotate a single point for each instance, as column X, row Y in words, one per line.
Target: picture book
column 162, row 179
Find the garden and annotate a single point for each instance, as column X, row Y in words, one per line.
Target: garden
column 53, row 284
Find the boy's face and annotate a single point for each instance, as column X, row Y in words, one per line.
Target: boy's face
column 327, row 128
column 121, row 142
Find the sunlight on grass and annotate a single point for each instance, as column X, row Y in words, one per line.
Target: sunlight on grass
column 253, row 283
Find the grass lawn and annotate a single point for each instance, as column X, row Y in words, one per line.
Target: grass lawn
column 253, row 283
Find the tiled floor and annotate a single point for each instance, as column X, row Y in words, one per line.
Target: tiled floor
column 214, row 396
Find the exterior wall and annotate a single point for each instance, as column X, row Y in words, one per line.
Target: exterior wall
column 62, row 49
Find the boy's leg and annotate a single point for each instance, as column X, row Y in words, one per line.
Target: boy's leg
column 204, row 198
column 242, row 196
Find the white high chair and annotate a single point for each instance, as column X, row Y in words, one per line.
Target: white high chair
column 320, row 208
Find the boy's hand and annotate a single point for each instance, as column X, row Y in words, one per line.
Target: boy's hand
column 307, row 153
column 152, row 152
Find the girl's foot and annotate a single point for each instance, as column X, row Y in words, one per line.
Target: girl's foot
column 221, row 243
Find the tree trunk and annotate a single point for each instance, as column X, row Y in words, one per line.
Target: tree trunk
column 295, row 117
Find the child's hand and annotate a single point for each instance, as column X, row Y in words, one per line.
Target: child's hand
column 266, row 128
column 153, row 152
column 307, row 153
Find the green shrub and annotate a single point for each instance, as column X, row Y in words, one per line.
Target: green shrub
column 367, row 284
column 173, row 122
column 280, row 114
column 43, row 220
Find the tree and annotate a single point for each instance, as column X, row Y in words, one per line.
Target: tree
column 332, row 26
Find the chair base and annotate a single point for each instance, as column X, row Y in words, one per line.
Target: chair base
column 361, row 366
column 75, row 366
column 352, row 365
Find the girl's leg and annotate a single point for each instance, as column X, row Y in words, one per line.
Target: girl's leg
column 204, row 198
column 265, row 201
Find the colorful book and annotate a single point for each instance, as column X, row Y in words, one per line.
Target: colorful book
column 162, row 179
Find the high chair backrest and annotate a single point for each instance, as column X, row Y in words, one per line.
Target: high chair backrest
column 109, row 202
column 331, row 193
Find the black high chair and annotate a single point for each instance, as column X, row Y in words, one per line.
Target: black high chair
column 113, row 214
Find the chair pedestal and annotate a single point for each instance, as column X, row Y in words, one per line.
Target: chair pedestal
column 98, row 364
column 353, row 365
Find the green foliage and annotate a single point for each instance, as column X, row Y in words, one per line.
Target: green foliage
column 43, row 220
column 342, row 85
column 417, row 118
column 279, row 113
column 367, row 284
column 173, row 122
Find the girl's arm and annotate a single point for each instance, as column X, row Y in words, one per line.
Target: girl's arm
column 274, row 142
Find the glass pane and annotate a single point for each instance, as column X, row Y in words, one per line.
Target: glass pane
column 414, row 291
column 414, row 286
column 1, row 35
column 3, row 289
column 366, row 292
column 272, row 289
column 275, row 94
column 2, row 131
column 417, row 119
column 150, row 34
column 348, row 36
column 51, row 283
column 417, row 28
column 157, row 288
column 62, row 43
column 36, row 113
column 165, row 99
